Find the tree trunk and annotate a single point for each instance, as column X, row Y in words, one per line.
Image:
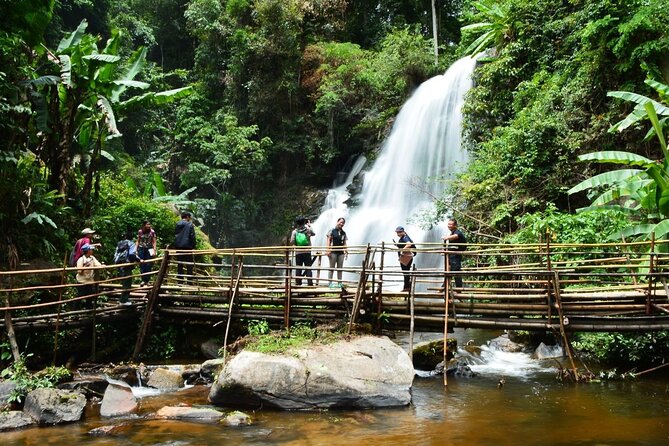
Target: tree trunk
column 434, row 33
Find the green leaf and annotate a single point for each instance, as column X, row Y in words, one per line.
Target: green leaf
column 133, row 84
column 658, row 129
column 136, row 63
column 73, row 38
column 40, row 218
column 41, row 81
column 642, row 229
column 109, row 58
column 605, row 178
column 617, row 157
column 661, row 229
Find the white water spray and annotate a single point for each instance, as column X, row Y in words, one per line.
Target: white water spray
column 423, row 150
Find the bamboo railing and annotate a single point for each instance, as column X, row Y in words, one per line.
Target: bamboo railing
column 557, row 287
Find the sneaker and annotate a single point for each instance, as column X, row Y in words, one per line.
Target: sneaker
column 125, row 304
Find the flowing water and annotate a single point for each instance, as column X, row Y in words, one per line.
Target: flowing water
column 422, row 151
column 531, row 408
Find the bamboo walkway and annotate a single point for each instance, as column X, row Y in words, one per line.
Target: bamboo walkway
column 541, row 287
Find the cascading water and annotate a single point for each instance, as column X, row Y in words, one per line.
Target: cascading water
column 422, row 150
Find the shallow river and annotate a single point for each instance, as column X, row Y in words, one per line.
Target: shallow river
column 531, row 408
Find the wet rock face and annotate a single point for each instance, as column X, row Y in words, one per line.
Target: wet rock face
column 365, row 372
column 54, row 406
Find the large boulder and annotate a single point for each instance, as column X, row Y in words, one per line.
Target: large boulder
column 365, row 372
column 54, row 406
column 118, row 400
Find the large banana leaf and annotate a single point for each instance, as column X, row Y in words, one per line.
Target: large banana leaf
column 639, row 113
column 661, row 229
column 658, row 130
column 73, row 38
column 628, row 189
column 617, row 157
column 604, row 179
column 136, row 63
column 641, row 229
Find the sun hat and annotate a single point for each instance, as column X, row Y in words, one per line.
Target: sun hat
column 87, row 231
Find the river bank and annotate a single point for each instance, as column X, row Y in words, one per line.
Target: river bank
column 531, row 408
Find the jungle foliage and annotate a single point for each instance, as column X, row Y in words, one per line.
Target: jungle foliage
column 242, row 110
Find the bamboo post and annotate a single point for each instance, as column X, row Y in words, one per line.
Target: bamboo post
column 627, row 256
column 563, row 323
column 288, row 290
column 233, row 260
column 359, row 291
column 651, row 270
column 549, row 267
column 412, row 322
column 230, row 306
column 60, row 299
column 9, row 326
column 445, row 341
column 150, row 305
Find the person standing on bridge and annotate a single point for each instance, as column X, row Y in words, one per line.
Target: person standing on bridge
column 456, row 243
column 86, row 273
column 337, row 251
column 301, row 238
column 405, row 255
column 146, row 249
column 87, row 237
column 184, row 238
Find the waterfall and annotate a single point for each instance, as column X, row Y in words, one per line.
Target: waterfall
column 422, row 150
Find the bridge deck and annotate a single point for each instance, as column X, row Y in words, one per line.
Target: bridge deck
column 608, row 287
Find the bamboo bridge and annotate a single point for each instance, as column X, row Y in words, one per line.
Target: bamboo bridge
column 539, row 287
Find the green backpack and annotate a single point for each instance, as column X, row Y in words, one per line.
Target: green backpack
column 301, row 239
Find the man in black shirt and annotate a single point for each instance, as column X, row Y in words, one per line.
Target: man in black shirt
column 456, row 243
column 184, row 238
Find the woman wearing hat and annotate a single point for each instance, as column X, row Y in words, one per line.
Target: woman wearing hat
column 87, row 235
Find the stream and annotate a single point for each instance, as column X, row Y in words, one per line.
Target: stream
column 530, row 408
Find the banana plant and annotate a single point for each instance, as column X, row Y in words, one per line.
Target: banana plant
column 641, row 185
column 492, row 33
column 92, row 91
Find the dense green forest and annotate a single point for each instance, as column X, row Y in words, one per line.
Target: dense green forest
column 116, row 111
column 243, row 111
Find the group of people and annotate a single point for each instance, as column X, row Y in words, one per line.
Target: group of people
column 129, row 251
column 337, row 251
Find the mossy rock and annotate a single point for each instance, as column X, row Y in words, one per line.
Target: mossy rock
column 427, row 355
